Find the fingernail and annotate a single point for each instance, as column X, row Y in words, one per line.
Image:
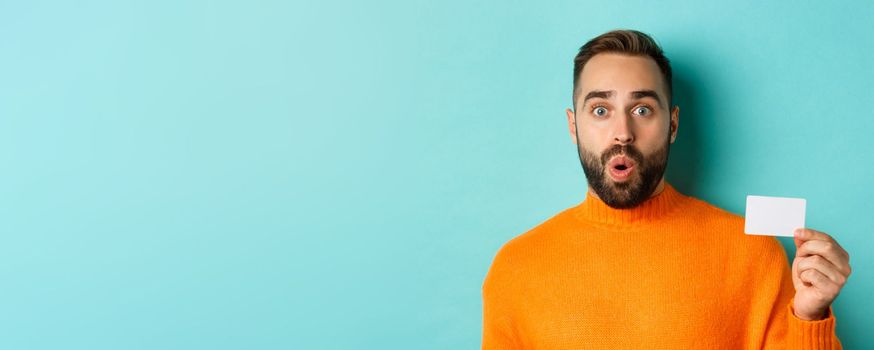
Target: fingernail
column 798, row 232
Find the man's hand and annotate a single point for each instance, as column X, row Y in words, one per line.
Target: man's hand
column 819, row 271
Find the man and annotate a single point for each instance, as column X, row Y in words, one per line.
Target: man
column 638, row 265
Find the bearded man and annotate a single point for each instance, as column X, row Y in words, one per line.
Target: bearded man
column 638, row 265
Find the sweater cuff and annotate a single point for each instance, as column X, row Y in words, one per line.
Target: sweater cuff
column 818, row 334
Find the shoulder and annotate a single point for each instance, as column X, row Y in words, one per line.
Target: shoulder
column 729, row 228
column 516, row 256
column 710, row 213
column 542, row 234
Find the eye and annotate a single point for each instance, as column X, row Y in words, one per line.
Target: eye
column 642, row 111
column 599, row 111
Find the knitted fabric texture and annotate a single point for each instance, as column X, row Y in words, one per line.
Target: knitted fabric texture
column 672, row 273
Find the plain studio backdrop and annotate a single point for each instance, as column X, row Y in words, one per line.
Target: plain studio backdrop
column 321, row 175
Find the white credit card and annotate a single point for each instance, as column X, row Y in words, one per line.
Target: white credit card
column 774, row 216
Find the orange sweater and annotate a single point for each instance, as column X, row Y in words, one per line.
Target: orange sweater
column 673, row 273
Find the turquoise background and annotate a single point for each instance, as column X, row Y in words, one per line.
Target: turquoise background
column 337, row 175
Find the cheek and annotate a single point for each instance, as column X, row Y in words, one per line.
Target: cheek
column 654, row 135
column 592, row 139
column 595, row 147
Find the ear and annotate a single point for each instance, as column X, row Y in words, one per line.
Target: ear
column 571, row 125
column 675, row 122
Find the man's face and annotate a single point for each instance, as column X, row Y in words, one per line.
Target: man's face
column 623, row 127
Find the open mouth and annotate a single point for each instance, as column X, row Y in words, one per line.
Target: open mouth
column 620, row 167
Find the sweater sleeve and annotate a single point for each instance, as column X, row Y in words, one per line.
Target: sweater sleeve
column 498, row 323
column 811, row 334
column 787, row 331
column 497, row 330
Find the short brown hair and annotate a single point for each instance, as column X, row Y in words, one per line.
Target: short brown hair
column 630, row 42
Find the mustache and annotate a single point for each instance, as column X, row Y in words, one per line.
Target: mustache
column 627, row 150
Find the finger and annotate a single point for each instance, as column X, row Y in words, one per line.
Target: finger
column 822, row 266
column 806, row 234
column 828, row 250
column 796, row 280
column 821, row 283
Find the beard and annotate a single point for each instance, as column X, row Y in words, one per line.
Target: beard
column 636, row 189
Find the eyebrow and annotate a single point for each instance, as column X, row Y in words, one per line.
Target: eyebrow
column 639, row 94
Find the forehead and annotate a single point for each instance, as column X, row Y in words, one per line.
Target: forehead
column 622, row 73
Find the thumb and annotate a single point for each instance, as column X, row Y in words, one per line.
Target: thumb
column 796, row 236
column 798, row 243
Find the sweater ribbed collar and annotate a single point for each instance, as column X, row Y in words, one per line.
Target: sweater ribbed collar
column 593, row 209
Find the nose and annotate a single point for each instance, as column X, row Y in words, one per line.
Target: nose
column 622, row 132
